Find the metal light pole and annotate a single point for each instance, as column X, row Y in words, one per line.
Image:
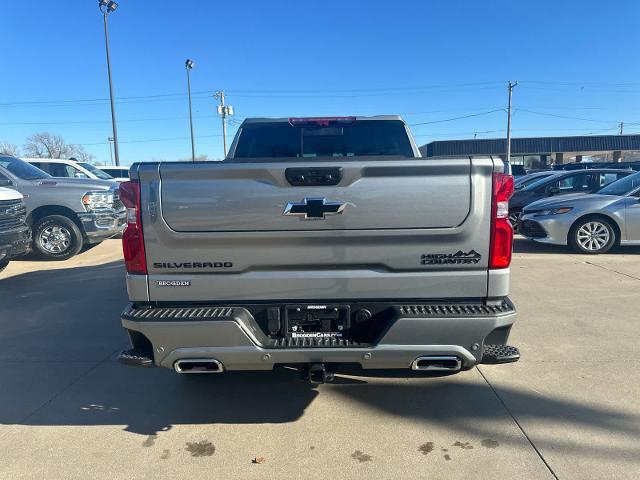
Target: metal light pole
column 511, row 85
column 188, row 66
column 107, row 7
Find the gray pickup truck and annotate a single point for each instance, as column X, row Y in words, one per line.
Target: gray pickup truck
column 64, row 215
column 319, row 243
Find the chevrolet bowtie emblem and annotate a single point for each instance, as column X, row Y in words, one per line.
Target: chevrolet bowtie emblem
column 314, row 208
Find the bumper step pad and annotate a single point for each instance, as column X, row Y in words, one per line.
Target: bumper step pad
column 456, row 310
column 315, row 342
column 495, row 354
column 133, row 358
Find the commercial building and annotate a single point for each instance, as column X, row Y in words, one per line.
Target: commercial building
column 540, row 152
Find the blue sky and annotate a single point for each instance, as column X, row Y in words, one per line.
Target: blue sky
column 430, row 61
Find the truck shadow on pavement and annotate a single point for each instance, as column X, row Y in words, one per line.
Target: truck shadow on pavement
column 60, row 334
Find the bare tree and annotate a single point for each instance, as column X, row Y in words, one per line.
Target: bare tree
column 9, row 149
column 49, row 145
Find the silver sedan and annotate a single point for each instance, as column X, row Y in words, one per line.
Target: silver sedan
column 589, row 223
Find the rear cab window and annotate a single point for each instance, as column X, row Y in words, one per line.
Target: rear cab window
column 309, row 138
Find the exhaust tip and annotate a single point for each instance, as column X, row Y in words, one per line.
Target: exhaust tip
column 447, row 363
column 198, row 365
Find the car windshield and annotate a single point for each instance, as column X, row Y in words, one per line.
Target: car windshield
column 22, row 169
column 537, row 183
column 96, row 171
column 529, row 180
column 621, row 187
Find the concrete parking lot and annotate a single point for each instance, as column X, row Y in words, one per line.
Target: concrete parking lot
column 569, row 409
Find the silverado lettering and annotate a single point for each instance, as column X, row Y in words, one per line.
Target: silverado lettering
column 192, row 264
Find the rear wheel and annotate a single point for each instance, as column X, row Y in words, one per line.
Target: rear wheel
column 56, row 237
column 592, row 235
column 514, row 216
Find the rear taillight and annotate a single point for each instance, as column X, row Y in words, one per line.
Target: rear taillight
column 501, row 229
column 132, row 238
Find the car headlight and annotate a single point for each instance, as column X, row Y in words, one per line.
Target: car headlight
column 97, row 200
column 553, row 211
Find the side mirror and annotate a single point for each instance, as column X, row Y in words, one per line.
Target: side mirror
column 553, row 190
column 5, row 182
column 80, row 175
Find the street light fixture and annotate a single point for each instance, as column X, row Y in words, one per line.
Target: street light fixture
column 189, row 64
column 107, row 7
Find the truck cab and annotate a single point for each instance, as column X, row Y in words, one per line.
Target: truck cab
column 60, row 168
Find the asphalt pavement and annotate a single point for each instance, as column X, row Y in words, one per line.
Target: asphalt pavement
column 569, row 409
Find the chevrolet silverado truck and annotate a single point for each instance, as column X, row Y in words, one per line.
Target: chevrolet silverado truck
column 15, row 235
column 319, row 243
column 64, row 214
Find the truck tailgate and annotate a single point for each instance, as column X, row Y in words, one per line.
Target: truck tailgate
column 252, row 197
column 244, row 232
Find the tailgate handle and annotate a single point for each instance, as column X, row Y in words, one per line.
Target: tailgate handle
column 318, row 176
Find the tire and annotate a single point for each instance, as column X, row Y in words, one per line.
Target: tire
column 514, row 217
column 56, row 237
column 3, row 264
column 592, row 235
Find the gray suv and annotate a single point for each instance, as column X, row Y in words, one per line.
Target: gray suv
column 64, row 214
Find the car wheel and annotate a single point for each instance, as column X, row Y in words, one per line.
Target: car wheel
column 56, row 237
column 514, row 217
column 3, row 264
column 592, row 235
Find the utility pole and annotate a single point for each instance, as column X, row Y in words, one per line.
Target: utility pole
column 621, row 125
column 511, row 85
column 189, row 65
column 223, row 111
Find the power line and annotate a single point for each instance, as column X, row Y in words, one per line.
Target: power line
column 457, row 118
column 83, row 122
column 573, row 118
column 257, row 93
column 355, row 95
column 146, row 140
column 606, row 84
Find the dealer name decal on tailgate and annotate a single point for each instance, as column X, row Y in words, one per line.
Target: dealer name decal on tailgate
column 174, row 283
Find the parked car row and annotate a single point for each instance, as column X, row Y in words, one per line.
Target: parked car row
column 588, row 165
column 591, row 210
column 549, row 184
column 61, row 168
column 63, row 214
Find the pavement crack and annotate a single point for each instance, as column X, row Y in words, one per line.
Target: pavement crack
column 515, row 420
column 611, row 270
